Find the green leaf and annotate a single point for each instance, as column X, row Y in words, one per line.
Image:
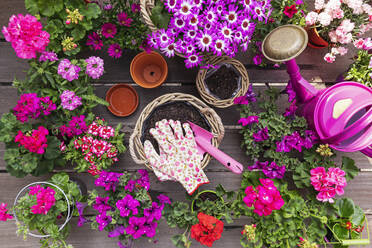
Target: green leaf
column 345, row 207
column 159, row 17
column 46, row 8
column 78, row 33
column 92, row 11
column 348, row 165
column 358, row 217
column 32, row 7
column 341, row 232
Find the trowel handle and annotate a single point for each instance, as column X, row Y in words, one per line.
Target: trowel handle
column 222, row 157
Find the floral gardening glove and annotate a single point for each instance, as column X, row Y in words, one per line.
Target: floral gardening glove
column 179, row 158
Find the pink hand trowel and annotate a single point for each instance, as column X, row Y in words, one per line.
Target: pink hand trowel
column 203, row 139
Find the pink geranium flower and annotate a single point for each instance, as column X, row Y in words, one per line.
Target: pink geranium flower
column 4, row 216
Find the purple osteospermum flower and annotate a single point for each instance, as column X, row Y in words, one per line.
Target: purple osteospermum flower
column 115, row 51
column 94, row 41
column 198, row 4
column 226, row 32
column 208, row 26
column 181, row 46
column 127, row 205
column 219, row 46
column 119, row 230
column 45, row 55
column 153, row 40
column 171, row 5
column 193, row 21
column 191, row 34
column 231, row 16
column 94, row 67
column 80, row 207
column 163, row 38
column 103, row 220
column 248, row 120
column 67, row 70
column 205, row 41
column 69, row 100
column 257, row 11
column 193, row 60
column 178, row 22
column 108, row 180
column 101, row 204
column 136, row 227
column 210, row 15
column 124, row 20
column 185, row 8
column 150, row 228
column 169, row 50
column 261, row 135
column 219, row 9
column 164, row 199
column 153, row 213
column 274, row 171
column 248, row 4
column 190, row 49
column 245, row 24
column 108, row 30
column 238, row 36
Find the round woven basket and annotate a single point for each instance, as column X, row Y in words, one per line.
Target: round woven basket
column 136, row 148
column 146, row 7
column 204, row 92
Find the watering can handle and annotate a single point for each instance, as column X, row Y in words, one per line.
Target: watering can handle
column 351, row 130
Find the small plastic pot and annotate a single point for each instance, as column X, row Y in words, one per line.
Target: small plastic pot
column 149, row 70
column 315, row 41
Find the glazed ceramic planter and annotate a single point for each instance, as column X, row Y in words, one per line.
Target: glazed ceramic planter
column 123, row 100
column 149, row 70
column 315, row 40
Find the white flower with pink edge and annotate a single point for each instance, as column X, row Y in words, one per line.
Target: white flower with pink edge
column 329, row 58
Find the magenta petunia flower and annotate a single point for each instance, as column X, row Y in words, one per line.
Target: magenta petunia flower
column 115, row 51
column 108, row 180
column 261, row 135
column 124, row 19
column 94, row 41
column 153, row 213
column 108, row 30
column 128, row 205
column 248, row 120
column 136, row 227
column 94, row 67
column 103, row 220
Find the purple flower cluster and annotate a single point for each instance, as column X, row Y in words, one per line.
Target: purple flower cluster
column 75, row 126
column 261, row 135
column 30, row 105
column 295, row 141
column 128, row 205
column 94, row 67
column 102, row 207
column 80, row 207
column 216, row 26
column 108, row 180
column 45, row 55
column 248, row 97
column 271, row 170
column 143, row 181
column 291, row 110
column 248, row 120
column 69, row 100
column 67, row 70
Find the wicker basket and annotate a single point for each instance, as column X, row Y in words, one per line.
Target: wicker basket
column 203, row 91
column 136, row 148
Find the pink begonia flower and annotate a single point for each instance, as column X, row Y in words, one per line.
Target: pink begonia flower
column 359, row 43
column 248, row 120
column 311, row 18
column 329, row 58
column 324, row 19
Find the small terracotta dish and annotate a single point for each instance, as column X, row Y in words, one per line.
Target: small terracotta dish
column 149, row 70
column 123, row 100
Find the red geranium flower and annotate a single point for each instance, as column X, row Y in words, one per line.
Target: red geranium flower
column 208, row 229
column 290, row 10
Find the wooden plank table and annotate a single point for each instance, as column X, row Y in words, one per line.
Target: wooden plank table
column 179, row 80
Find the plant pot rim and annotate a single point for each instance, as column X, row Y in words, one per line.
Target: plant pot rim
column 200, row 193
column 313, row 30
column 142, row 55
column 122, row 112
column 69, row 211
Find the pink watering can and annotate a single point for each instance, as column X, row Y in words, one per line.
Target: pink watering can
column 341, row 114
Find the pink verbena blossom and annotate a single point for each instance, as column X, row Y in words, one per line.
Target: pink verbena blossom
column 69, row 100
column 36, row 142
column 46, row 55
column 26, row 35
column 94, row 67
column 68, row 71
column 328, row 183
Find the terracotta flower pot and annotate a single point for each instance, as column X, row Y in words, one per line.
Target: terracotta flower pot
column 123, row 100
column 315, row 41
column 149, row 70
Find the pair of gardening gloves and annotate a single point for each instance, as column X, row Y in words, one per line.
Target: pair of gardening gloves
column 179, row 159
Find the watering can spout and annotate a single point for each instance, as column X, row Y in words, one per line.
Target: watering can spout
column 304, row 90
